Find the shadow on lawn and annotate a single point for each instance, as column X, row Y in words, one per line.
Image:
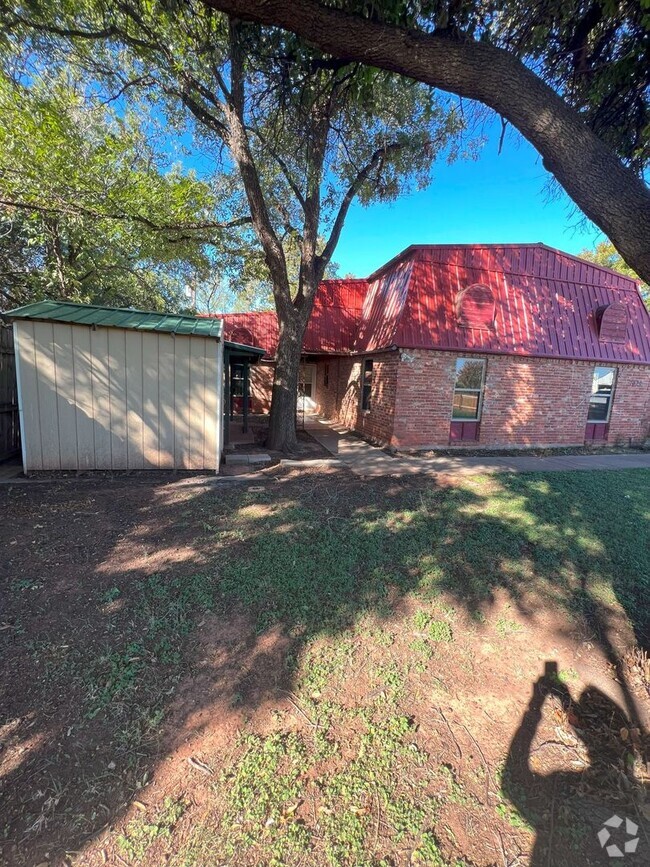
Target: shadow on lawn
column 565, row 805
column 103, row 642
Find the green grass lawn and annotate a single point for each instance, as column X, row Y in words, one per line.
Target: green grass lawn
column 375, row 622
column 315, row 562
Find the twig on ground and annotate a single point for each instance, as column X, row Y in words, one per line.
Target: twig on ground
column 488, row 775
column 293, row 702
column 199, row 765
column 451, row 732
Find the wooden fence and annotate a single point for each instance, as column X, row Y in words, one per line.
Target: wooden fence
column 9, row 422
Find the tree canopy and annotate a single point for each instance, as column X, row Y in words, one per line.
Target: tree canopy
column 287, row 137
column 571, row 77
column 605, row 254
column 86, row 211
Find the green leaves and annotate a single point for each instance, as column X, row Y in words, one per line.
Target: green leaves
column 605, row 254
column 89, row 211
column 142, row 80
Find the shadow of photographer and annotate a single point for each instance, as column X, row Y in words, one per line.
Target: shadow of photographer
column 568, row 808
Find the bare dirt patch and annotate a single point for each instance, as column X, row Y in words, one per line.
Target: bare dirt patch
column 320, row 670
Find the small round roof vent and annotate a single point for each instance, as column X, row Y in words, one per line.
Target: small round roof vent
column 611, row 320
column 475, row 306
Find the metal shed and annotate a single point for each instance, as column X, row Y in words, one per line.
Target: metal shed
column 104, row 388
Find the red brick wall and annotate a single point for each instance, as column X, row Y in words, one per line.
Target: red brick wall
column 341, row 399
column 630, row 416
column 261, row 380
column 526, row 402
column 329, row 396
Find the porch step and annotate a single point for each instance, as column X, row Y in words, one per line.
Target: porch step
column 253, row 459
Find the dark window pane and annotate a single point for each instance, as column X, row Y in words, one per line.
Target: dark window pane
column 469, row 373
column 366, row 384
column 466, row 404
column 598, row 408
column 237, row 380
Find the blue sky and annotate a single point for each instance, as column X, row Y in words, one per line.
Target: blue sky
column 497, row 198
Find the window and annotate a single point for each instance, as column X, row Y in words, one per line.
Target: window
column 237, row 380
column 366, row 384
column 602, row 388
column 468, row 390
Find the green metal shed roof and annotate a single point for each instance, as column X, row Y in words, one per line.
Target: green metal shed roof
column 119, row 317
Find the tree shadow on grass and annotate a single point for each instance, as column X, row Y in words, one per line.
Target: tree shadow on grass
column 107, row 642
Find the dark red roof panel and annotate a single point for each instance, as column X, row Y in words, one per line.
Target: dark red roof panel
column 524, row 299
column 545, row 304
column 332, row 327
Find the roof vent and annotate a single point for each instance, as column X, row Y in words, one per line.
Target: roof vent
column 611, row 320
column 241, row 335
column 475, row 306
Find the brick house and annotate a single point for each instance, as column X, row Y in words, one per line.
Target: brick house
column 493, row 345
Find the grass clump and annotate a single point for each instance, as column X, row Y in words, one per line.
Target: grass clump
column 168, row 608
column 140, row 834
column 440, row 630
column 264, row 791
column 507, row 627
column 349, row 796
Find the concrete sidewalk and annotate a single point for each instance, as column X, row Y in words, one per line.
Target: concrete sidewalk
column 368, row 461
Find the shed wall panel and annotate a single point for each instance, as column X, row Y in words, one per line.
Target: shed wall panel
column 182, row 402
column 100, row 384
column 134, row 401
column 46, row 372
column 166, row 401
column 117, row 373
column 213, row 408
column 30, row 418
column 117, row 399
column 196, row 405
column 151, row 404
column 83, row 397
column 65, row 393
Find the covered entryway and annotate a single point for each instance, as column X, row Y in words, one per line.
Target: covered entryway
column 238, row 359
column 307, row 388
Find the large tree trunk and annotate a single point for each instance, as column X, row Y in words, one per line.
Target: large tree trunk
column 282, row 420
column 609, row 193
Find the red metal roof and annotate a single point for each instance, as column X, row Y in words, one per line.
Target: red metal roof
column 332, row 327
column 545, row 304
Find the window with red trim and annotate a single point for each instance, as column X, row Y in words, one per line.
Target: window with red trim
column 468, row 389
column 602, row 390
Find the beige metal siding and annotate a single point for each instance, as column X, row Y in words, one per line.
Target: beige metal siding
column 111, row 398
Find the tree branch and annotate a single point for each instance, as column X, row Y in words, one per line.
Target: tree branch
column 608, row 192
column 240, row 148
column 377, row 158
column 69, row 209
column 282, row 164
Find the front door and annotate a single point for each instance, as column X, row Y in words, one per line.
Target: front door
column 307, row 387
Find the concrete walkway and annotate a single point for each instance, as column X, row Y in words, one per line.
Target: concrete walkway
column 368, row 461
